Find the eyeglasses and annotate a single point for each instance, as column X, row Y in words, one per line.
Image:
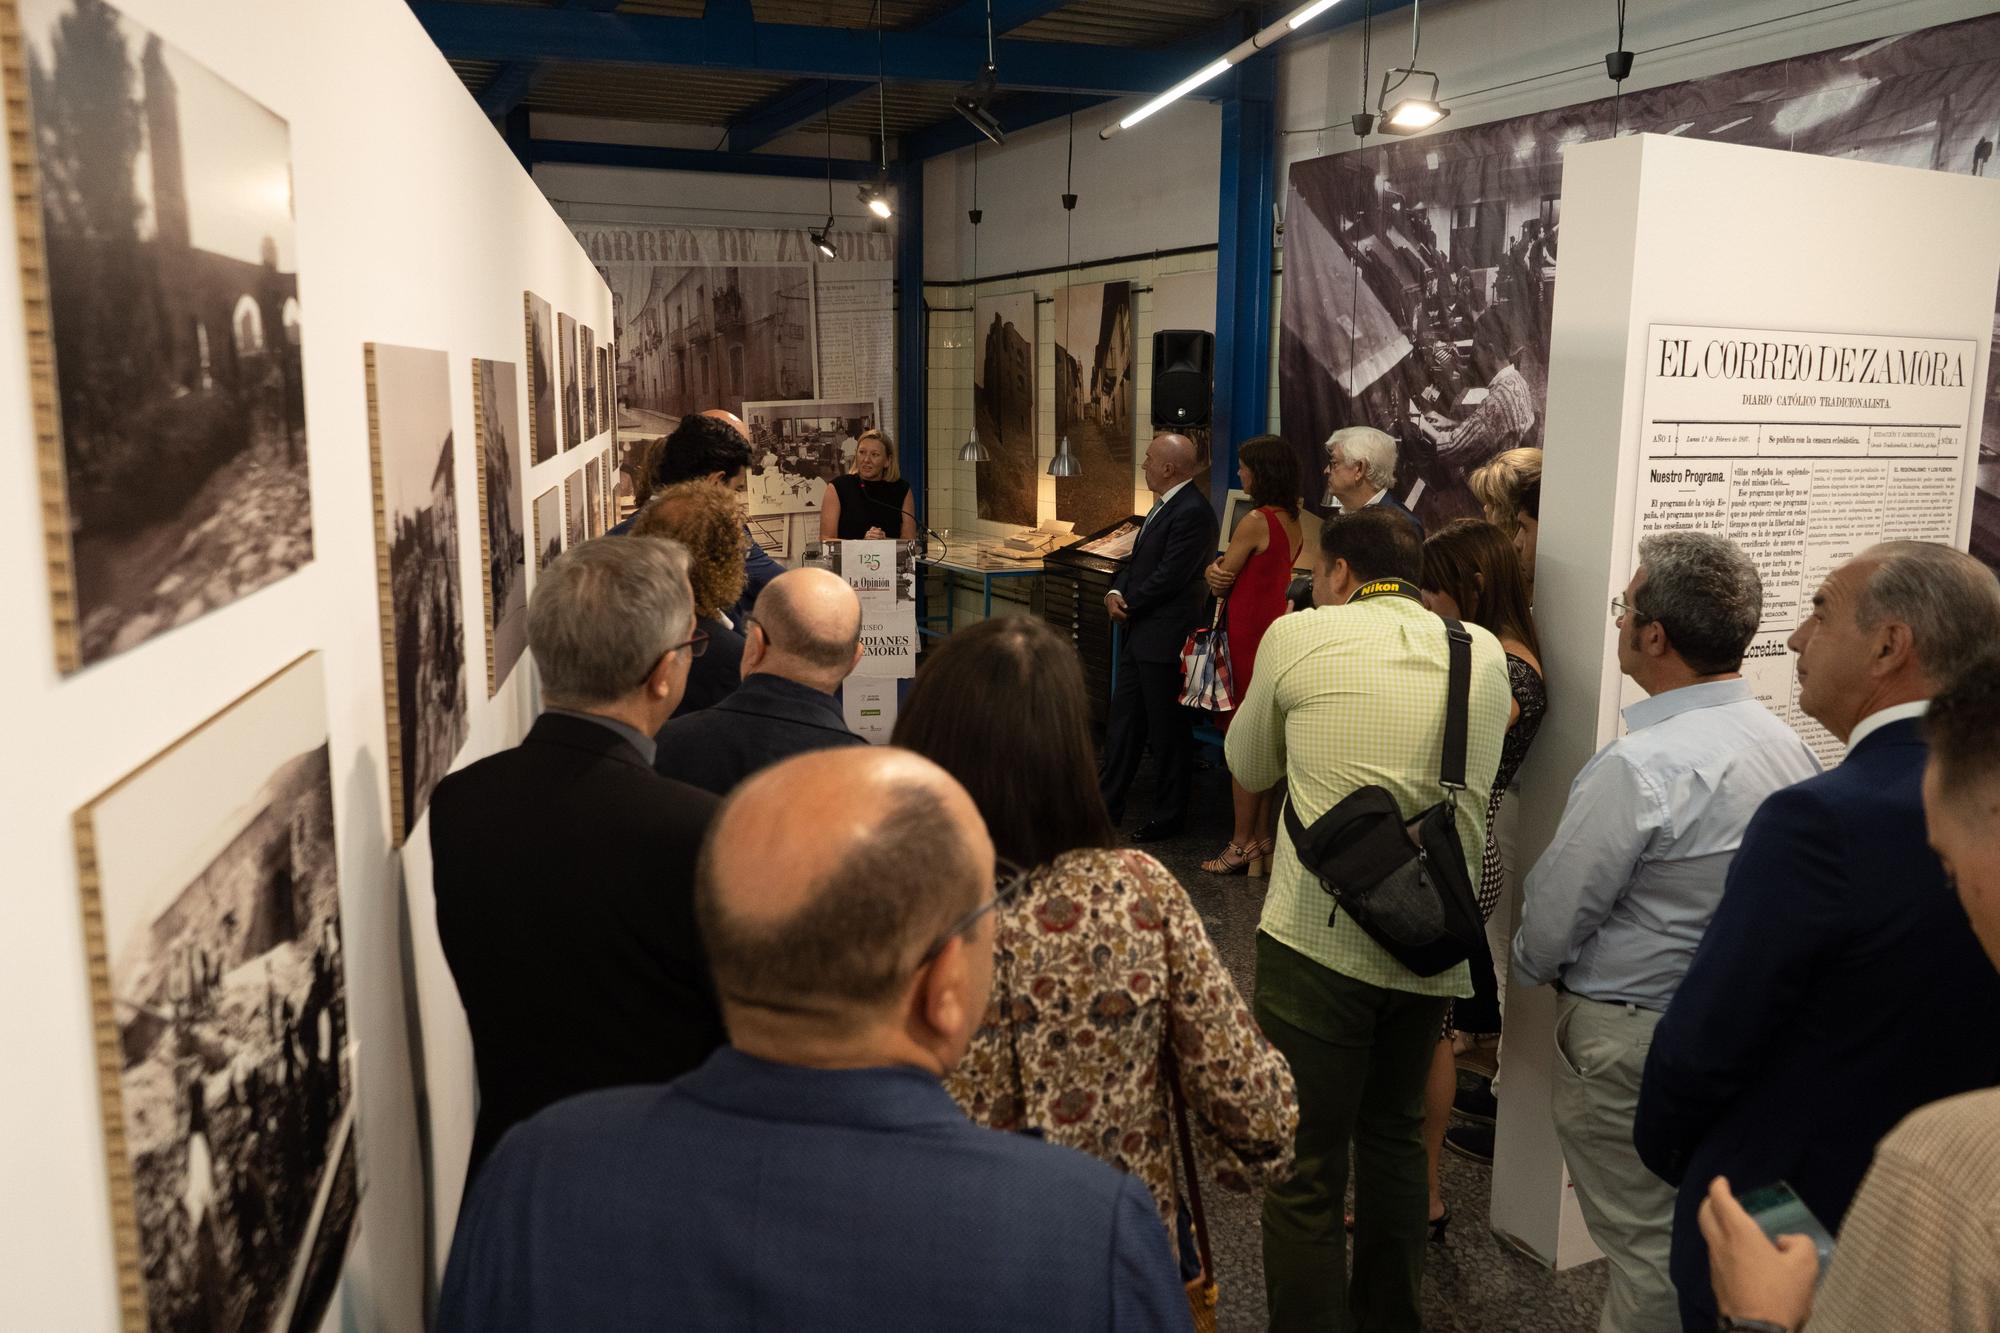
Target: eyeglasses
column 696, row 646
column 1621, row 608
column 1009, row 882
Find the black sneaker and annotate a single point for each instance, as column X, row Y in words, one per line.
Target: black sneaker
column 1476, row 1104
column 1472, row 1142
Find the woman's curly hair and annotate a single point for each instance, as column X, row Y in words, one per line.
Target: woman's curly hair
column 707, row 519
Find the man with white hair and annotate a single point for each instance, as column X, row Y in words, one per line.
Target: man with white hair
column 1360, row 469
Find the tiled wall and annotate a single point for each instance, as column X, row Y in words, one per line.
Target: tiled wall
column 954, row 507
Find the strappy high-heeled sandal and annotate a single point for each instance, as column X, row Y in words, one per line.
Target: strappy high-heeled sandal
column 1234, row 860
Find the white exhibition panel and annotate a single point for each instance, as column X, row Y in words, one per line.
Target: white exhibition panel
column 1661, row 231
column 415, row 226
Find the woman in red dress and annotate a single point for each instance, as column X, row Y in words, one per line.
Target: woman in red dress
column 1253, row 574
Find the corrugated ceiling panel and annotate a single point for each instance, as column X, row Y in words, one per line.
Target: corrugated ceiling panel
column 694, row 97
column 1127, row 22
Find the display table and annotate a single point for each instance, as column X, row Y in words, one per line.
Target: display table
column 981, row 560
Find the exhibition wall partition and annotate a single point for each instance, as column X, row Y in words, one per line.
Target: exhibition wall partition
column 303, row 380
column 1734, row 350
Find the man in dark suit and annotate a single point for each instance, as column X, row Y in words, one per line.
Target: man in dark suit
column 1839, row 987
column 1157, row 599
column 799, row 643
column 564, row 868
column 814, row 1174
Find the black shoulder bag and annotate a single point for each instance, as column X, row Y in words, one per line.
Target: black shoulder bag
column 1404, row 882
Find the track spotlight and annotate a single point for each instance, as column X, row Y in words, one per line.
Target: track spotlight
column 1065, row 463
column 876, row 196
column 975, row 104
column 822, row 238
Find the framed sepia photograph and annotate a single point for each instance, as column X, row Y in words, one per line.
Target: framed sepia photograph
column 543, row 443
column 573, row 505
column 606, row 397
column 607, row 468
column 572, row 401
column 211, row 905
column 160, row 281
column 593, row 497
column 503, row 543
column 586, row 344
column 423, row 622
column 796, row 449
column 548, row 527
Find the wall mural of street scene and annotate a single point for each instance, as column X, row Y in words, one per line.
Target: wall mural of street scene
column 1420, row 274
column 212, row 910
column 695, row 337
column 168, row 308
column 1003, row 407
column 1095, row 395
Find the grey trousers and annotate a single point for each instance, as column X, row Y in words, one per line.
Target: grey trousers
column 1601, row 1054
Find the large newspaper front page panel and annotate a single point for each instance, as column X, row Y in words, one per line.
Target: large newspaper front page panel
column 1804, row 449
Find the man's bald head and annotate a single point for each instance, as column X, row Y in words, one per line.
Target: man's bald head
column 810, row 620
column 1170, row 460
column 826, row 878
column 729, row 419
column 1180, row 449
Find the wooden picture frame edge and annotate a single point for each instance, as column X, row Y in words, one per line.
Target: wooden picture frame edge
column 37, row 306
column 528, row 360
column 385, row 597
column 485, row 536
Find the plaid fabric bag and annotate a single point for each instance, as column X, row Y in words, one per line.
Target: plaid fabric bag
column 1206, row 682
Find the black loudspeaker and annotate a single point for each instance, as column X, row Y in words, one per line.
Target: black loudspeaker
column 1183, row 377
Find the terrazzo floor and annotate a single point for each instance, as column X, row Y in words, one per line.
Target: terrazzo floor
column 1472, row 1282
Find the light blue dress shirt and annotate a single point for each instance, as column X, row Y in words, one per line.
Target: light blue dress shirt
column 1616, row 905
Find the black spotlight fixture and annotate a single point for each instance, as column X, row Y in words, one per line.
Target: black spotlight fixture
column 822, row 238
column 976, row 102
column 972, row 104
column 876, row 196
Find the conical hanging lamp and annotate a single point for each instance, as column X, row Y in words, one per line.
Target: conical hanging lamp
column 1066, row 463
column 974, row 450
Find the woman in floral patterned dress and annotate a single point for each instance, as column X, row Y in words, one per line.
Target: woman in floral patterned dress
column 1104, row 979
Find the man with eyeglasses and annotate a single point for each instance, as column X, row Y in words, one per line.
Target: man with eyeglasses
column 800, row 642
column 814, row 1174
column 1839, row 988
column 1616, row 905
column 564, row 867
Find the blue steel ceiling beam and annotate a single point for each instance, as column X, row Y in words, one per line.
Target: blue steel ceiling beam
column 515, row 79
column 802, row 103
column 520, row 33
column 650, row 158
column 969, row 16
column 789, row 108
